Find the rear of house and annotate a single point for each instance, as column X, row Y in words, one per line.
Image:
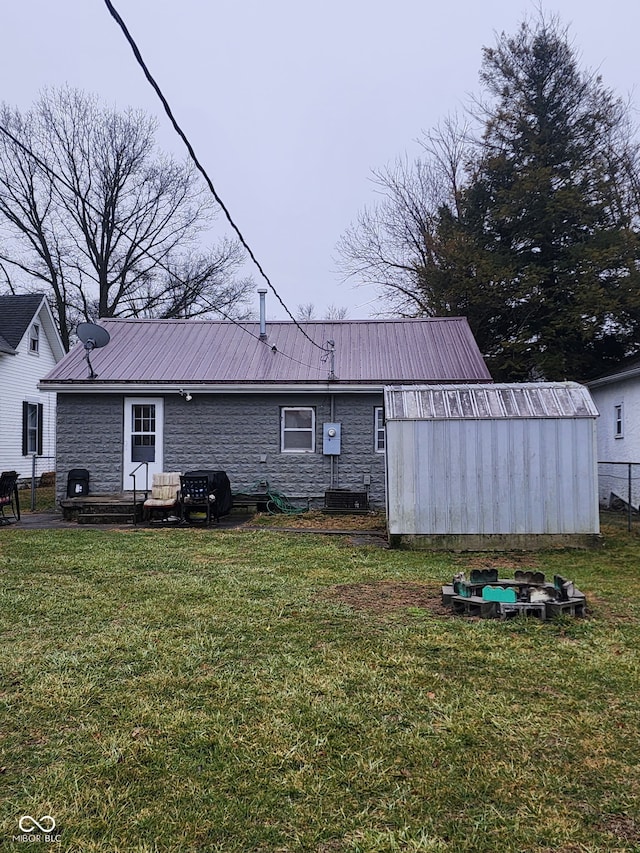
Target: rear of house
column 296, row 405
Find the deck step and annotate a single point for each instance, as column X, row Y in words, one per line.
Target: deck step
column 105, row 517
column 102, row 509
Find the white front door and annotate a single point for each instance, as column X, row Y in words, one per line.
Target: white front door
column 143, row 437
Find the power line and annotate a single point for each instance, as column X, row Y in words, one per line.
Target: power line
column 136, row 51
column 62, row 180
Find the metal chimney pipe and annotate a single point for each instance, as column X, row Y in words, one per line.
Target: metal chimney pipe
column 263, row 313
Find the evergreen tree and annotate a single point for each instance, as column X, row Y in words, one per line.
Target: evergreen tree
column 544, row 205
column 539, row 245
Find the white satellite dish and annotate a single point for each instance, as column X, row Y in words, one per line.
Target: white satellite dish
column 93, row 337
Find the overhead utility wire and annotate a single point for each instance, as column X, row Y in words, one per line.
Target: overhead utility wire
column 56, row 177
column 136, row 51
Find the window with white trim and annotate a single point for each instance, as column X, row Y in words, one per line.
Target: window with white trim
column 378, row 429
column 32, row 423
column 618, row 421
column 34, row 339
column 297, row 429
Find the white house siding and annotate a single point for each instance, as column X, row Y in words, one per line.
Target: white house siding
column 19, row 377
column 236, row 433
column 613, row 479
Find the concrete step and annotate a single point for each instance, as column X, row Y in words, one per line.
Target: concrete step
column 105, row 517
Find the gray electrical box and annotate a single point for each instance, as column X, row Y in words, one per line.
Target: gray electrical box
column 331, row 439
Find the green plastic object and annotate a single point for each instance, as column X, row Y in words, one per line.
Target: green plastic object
column 497, row 593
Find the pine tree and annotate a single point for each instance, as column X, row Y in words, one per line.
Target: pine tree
column 545, row 208
column 529, row 227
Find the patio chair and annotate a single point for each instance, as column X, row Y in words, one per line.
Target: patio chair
column 197, row 496
column 165, row 490
column 9, row 496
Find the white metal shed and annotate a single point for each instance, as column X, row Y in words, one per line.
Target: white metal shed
column 491, row 466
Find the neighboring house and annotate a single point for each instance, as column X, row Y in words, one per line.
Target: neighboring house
column 617, row 397
column 30, row 346
column 263, row 402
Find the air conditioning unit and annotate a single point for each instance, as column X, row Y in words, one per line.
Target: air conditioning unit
column 344, row 500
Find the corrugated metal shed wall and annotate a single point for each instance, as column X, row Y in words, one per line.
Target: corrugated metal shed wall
column 453, row 467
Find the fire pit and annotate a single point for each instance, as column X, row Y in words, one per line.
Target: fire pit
column 527, row 594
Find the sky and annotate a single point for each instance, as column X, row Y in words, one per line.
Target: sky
column 291, row 105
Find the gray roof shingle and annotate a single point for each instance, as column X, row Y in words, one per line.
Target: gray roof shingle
column 221, row 352
column 16, row 313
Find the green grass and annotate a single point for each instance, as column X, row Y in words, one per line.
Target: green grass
column 45, row 499
column 195, row 691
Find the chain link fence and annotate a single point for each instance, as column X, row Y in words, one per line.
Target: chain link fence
column 619, row 488
column 42, row 474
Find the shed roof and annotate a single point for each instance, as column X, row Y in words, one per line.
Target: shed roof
column 216, row 352
column 473, row 402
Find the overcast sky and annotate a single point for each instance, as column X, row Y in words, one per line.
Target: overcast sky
column 290, row 105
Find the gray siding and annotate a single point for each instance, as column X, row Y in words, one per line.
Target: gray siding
column 89, row 435
column 231, row 432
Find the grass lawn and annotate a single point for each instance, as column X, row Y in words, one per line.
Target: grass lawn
column 170, row 690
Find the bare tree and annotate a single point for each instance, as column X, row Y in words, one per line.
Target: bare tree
column 307, row 311
column 336, row 312
column 394, row 241
column 113, row 227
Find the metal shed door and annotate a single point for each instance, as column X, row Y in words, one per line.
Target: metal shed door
column 143, row 439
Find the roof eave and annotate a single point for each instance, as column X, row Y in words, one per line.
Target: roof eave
column 140, row 388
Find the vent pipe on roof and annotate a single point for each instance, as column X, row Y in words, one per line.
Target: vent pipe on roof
column 263, row 314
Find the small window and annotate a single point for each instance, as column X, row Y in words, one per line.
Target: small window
column 378, row 429
column 32, row 417
column 618, row 422
column 143, row 433
column 298, row 430
column 34, row 339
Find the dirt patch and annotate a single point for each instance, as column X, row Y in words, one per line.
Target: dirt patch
column 316, row 520
column 622, row 827
column 388, row 596
column 504, row 564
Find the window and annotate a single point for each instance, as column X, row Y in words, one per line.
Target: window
column 297, row 430
column 143, row 433
column 378, row 429
column 34, row 339
column 618, row 423
column 32, row 428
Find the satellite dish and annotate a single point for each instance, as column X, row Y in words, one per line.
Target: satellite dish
column 93, row 337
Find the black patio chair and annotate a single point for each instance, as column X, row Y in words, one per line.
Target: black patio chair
column 195, row 496
column 9, row 496
column 205, row 491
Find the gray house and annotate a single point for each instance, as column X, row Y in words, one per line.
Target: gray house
column 296, row 405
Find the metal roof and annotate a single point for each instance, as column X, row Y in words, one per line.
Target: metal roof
column 461, row 402
column 216, row 352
